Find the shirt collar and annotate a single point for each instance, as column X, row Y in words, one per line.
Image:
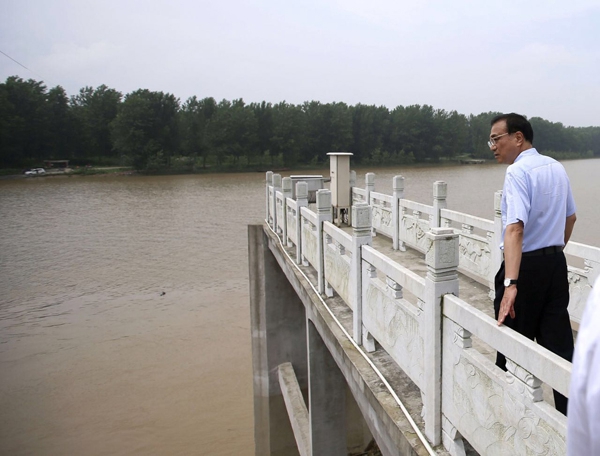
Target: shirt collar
column 527, row 153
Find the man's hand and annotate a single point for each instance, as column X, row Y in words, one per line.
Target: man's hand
column 507, row 306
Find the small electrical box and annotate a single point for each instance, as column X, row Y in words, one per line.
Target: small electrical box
column 339, row 171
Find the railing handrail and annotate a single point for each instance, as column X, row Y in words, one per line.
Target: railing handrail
column 545, row 365
column 403, row 276
column 414, row 206
column 338, row 235
column 467, row 219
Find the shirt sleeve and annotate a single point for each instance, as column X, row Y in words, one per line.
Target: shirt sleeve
column 571, row 209
column 518, row 203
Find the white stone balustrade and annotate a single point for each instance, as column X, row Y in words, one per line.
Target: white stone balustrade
column 430, row 336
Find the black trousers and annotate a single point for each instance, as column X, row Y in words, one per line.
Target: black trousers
column 541, row 308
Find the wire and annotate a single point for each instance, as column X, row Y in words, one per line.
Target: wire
column 364, row 355
column 15, row 60
column 18, row 63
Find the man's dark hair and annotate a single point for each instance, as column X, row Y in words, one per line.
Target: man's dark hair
column 514, row 123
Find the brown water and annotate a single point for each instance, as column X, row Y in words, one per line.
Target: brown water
column 124, row 318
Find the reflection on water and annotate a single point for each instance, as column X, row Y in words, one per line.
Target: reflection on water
column 124, row 320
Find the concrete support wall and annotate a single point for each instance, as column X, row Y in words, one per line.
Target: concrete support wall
column 278, row 322
column 327, row 399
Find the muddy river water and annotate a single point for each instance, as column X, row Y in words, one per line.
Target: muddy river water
column 124, row 317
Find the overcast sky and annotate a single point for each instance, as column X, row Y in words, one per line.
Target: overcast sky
column 537, row 57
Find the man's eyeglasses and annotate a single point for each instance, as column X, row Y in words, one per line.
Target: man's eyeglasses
column 492, row 141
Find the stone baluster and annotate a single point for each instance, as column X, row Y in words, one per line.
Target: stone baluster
column 467, row 229
column 442, row 262
column 394, row 288
column 369, row 186
column 276, row 188
column 452, row 439
column 362, row 216
column 352, row 202
column 495, row 246
column 526, row 385
column 440, row 191
column 323, row 215
column 398, row 194
column 286, row 193
column 301, row 201
column 269, row 183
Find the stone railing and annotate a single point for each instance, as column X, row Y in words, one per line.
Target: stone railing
column 406, row 222
column 463, row 392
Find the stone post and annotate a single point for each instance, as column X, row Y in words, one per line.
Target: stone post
column 361, row 235
column 269, row 183
column 497, row 239
column 398, row 194
column 323, row 215
column 301, row 201
column 442, row 262
column 352, row 184
column 276, row 188
column 287, row 193
column 369, row 187
column 440, row 191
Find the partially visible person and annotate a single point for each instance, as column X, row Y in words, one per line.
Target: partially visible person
column 583, row 422
column 538, row 215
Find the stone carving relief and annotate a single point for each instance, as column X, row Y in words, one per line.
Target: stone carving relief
column 580, row 285
column 413, row 230
column 382, row 219
column 499, row 419
column 475, row 255
column 337, row 274
column 396, row 329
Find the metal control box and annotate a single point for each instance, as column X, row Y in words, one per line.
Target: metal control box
column 339, row 163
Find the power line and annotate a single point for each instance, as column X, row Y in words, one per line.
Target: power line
column 15, row 60
column 20, row 64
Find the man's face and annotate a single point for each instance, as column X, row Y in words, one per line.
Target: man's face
column 504, row 150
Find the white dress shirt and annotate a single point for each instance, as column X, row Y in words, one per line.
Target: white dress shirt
column 583, row 416
column 538, row 193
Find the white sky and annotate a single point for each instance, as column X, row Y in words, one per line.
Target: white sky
column 536, row 57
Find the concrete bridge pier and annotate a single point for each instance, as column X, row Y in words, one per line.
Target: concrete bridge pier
column 302, row 402
column 278, row 322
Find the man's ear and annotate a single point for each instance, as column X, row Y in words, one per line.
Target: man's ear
column 519, row 137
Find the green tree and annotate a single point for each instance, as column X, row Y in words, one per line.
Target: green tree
column 23, row 124
column 195, row 116
column 145, row 129
column 94, row 110
column 233, row 132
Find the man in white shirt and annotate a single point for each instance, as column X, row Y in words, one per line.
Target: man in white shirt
column 538, row 215
column 583, row 424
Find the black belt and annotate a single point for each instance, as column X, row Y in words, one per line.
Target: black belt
column 545, row 251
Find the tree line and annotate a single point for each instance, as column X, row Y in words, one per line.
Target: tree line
column 154, row 131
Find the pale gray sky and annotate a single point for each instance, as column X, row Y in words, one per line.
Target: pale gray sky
column 538, row 57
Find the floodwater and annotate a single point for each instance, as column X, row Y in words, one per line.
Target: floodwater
column 124, row 316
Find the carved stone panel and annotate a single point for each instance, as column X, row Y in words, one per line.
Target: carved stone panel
column 412, row 232
column 494, row 410
column 337, row 273
column 382, row 220
column 395, row 325
column 475, row 255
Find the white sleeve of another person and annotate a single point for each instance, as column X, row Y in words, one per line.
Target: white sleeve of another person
column 583, row 416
